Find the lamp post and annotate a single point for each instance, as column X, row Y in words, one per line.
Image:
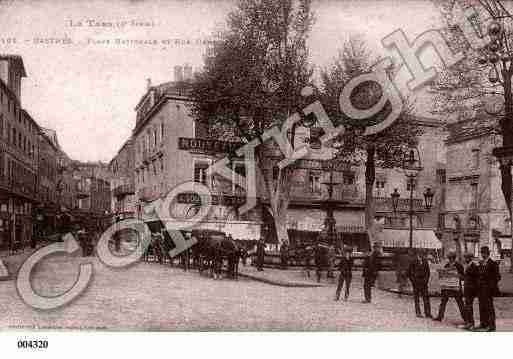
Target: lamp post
column 498, row 57
column 412, row 167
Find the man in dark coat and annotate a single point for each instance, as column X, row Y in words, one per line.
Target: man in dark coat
column 319, row 261
column 260, row 252
column 452, row 293
column 418, row 273
column 284, row 255
column 489, row 277
column 346, row 274
column 370, row 273
column 470, row 288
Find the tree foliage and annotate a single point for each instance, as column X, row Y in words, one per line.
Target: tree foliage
column 384, row 149
column 252, row 80
column 254, row 73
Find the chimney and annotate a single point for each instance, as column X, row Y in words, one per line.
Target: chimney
column 148, row 83
column 187, row 72
column 178, row 74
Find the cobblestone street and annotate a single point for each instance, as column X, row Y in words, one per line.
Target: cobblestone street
column 149, row 296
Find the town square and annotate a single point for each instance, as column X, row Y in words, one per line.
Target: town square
column 256, row 166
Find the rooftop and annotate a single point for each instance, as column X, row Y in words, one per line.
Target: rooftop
column 480, row 125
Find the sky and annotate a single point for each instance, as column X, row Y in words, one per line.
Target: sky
column 87, row 90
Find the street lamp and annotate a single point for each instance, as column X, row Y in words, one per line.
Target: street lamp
column 498, row 55
column 428, row 198
column 411, row 168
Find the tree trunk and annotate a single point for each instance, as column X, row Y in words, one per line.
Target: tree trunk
column 507, row 141
column 511, row 251
column 279, row 198
column 370, row 176
column 280, row 223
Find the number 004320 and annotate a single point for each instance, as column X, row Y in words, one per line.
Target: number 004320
column 32, row 344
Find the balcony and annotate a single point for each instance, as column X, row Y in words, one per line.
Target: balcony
column 344, row 193
column 384, row 204
column 81, row 194
column 124, row 190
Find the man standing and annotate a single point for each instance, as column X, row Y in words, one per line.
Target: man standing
column 284, row 255
column 346, row 274
column 331, row 261
column 418, row 273
column 470, row 288
column 370, row 272
column 452, row 293
column 489, row 278
column 319, row 261
column 260, row 254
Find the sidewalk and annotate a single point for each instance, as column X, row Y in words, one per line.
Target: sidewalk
column 389, row 283
column 285, row 278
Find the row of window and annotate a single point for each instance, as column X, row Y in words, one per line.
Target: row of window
column 16, row 138
column 151, row 139
column 18, row 208
column 13, row 108
column 17, row 174
column 143, row 175
column 237, row 181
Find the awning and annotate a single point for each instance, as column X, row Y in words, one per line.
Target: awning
column 505, row 242
column 400, row 238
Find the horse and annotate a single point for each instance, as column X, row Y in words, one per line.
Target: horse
column 213, row 250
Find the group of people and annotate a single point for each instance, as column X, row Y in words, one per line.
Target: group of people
column 477, row 280
column 369, row 272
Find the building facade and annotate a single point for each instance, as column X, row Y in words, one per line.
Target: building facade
column 122, row 182
column 171, row 148
column 475, row 212
column 18, row 156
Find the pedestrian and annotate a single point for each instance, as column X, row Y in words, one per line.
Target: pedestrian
column 260, row 254
column 489, row 277
column 403, row 261
column 331, row 261
column 346, row 274
column 418, row 273
column 307, row 256
column 319, row 261
column 455, row 292
column 284, row 255
column 370, row 272
column 470, row 288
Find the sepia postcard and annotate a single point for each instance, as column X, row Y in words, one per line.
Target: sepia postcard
column 255, row 165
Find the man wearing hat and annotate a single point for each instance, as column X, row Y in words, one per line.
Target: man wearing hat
column 418, row 273
column 452, row 293
column 346, row 274
column 370, row 272
column 260, row 252
column 470, row 288
column 489, row 277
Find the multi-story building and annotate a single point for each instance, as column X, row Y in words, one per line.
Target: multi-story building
column 18, row 156
column 93, row 195
column 475, row 212
column 162, row 119
column 122, row 182
column 48, row 179
column 171, row 148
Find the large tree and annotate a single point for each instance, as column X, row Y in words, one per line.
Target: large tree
column 252, row 81
column 384, row 149
column 473, row 84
